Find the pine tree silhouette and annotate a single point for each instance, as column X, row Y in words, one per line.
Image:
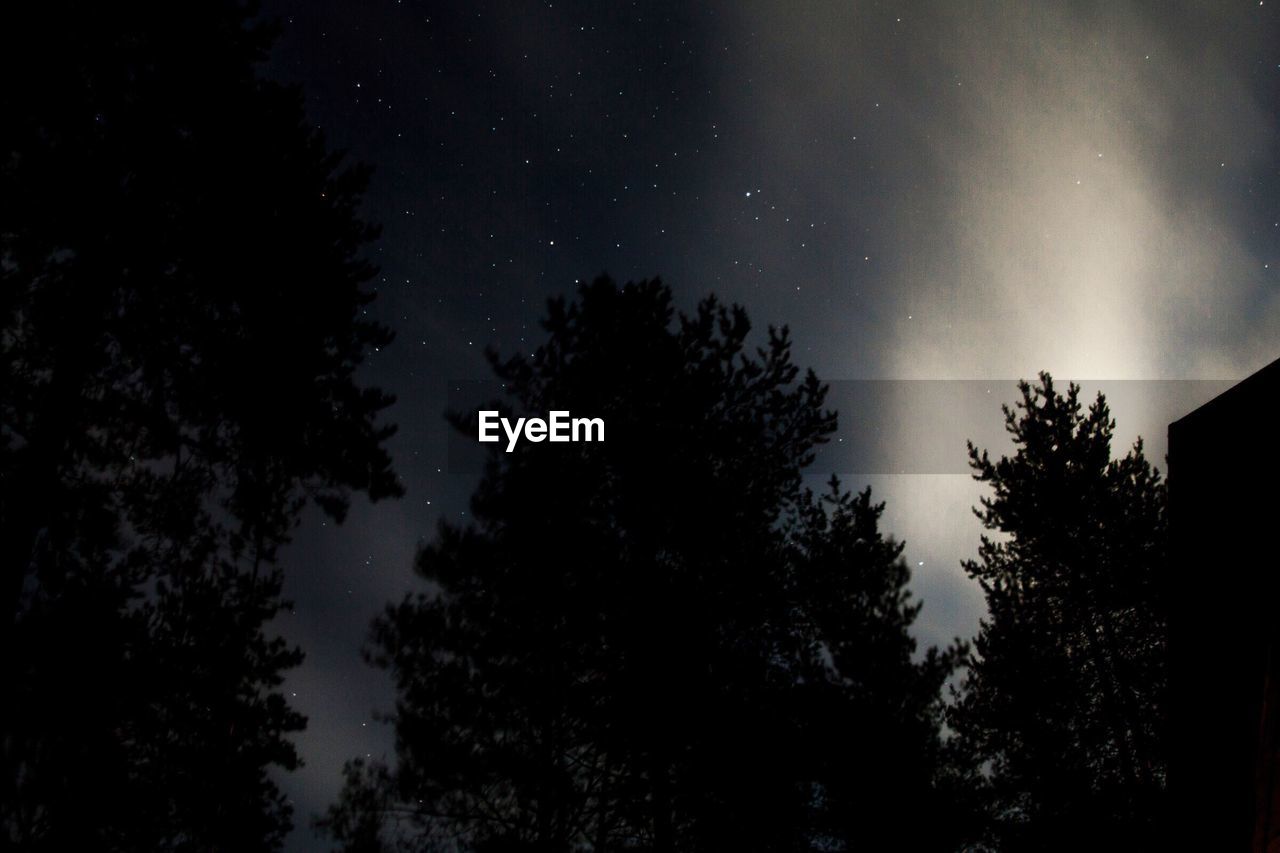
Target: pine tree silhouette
column 1063, row 702
column 181, row 315
column 659, row 642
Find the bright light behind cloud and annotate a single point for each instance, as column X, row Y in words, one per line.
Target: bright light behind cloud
column 1015, row 187
column 1087, row 240
column 1056, row 188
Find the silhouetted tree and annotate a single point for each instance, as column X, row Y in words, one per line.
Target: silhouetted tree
column 658, row 642
column 181, row 315
column 869, row 711
column 1061, row 710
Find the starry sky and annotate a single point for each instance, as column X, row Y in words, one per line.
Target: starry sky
column 921, row 191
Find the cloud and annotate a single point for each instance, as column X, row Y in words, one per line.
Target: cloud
column 1002, row 188
column 1039, row 186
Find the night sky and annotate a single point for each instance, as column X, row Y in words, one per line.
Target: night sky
column 920, row 190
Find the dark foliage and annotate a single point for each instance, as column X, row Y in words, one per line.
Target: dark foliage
column 1061, row 709
column 869, row 709
column 181, row 314
column 658, row 642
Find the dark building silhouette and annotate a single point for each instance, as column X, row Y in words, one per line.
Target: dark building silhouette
column 1224, row 775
